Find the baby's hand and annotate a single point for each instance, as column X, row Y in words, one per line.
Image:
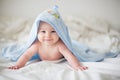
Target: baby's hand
column 81, row 67
column 14, row 67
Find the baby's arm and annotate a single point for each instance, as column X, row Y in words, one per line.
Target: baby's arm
column 71, row 58
column 25, row 57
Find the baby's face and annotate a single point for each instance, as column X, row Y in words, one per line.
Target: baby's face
column 46, row 34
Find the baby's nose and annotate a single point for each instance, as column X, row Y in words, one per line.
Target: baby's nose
column 48, row 34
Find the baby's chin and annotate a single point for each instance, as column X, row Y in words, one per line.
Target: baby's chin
column 49, row 43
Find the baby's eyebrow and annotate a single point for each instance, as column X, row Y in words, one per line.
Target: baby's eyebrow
column 41, row 28
column 53, row 28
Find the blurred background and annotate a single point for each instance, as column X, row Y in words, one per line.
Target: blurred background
column 105, row 9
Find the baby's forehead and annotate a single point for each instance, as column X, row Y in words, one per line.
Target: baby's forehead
column 45, row 25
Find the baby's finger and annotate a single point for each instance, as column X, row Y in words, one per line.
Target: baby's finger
column 15, row 67
column 10, row 67
column 85, row 67
column 81, row 68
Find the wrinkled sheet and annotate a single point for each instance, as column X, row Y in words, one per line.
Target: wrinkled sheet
column 109, row 69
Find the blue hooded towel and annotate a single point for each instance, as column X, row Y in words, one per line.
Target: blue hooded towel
column 52, row 16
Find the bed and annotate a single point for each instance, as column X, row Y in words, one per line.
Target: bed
column 98, row 34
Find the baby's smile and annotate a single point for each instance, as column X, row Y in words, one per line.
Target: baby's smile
column 47, row 39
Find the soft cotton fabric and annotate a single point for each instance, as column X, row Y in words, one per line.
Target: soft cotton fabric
column 52, row 16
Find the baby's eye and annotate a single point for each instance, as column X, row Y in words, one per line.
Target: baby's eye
column 42, row 31
column 53, row 31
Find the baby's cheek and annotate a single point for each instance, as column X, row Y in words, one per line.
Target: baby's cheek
column 39, row 35
column 39, row 38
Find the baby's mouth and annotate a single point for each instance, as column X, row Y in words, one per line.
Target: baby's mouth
column 47, row 39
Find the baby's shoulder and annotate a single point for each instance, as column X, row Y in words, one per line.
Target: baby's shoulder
column 35, row 44
column 63, row 48
column 33, row 48
column 61, row 44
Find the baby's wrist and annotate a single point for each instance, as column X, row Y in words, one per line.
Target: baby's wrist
column 75, row 66
column 18, row 66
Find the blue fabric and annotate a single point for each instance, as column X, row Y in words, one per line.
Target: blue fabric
column 52, row 16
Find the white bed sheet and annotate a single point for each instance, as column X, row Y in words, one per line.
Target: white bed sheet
column 109, row 69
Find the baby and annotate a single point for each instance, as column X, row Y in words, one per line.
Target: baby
column 50, row 47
